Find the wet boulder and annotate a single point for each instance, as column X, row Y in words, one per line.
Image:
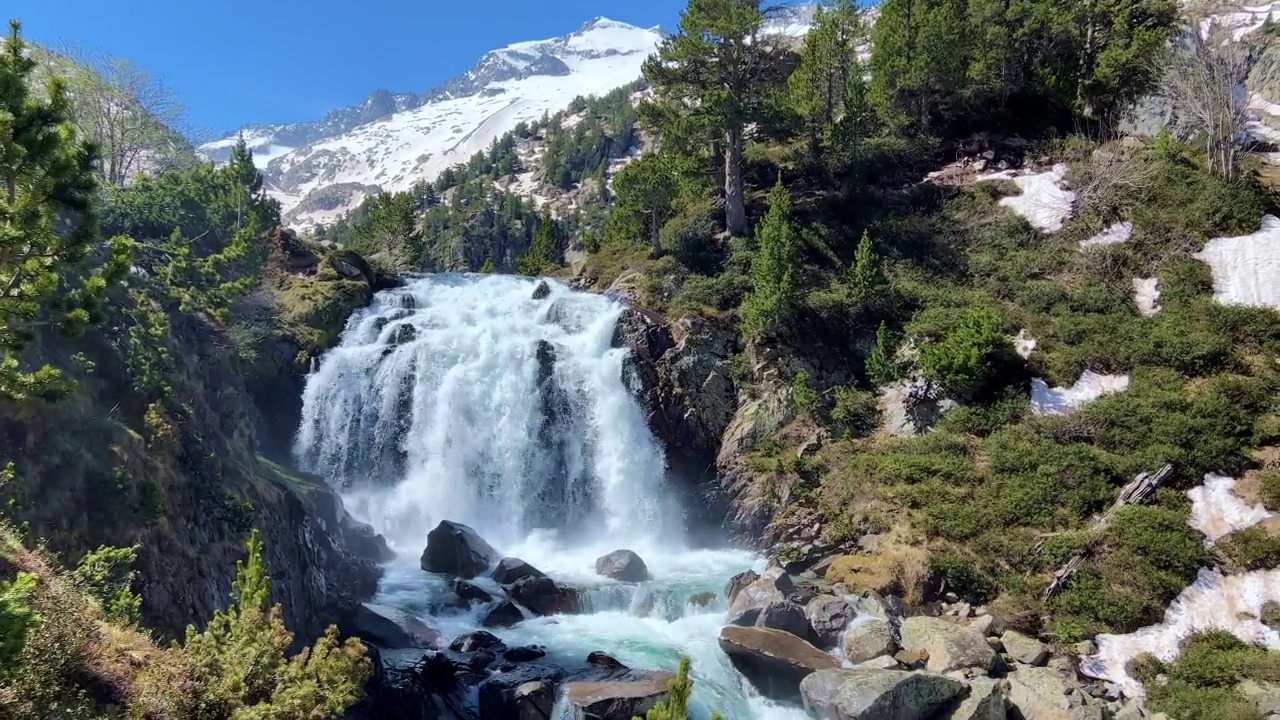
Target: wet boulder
column 513, row 570
column 773, row 586
column 785, row 616
column 544, row 596
column 391, row 628
column 772, row 660
column 622, row 565
column 456, row 549
column 877, row 694
column 605, row 661
column 524, row 653
column 525, row 692
column 828, row 617
column 617, row 699
column 542, row 291
column 470, row 592
column 472, row 641
column 738, row 582
column 504, row 614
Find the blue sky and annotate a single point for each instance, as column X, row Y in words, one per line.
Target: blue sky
column 240, row 61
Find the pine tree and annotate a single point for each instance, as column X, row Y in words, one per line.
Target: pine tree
column 542, row 253
column 880, row 365
column 919, row 60
column 241, row 665
column 774, row 268
column 648, row 186
column 714, row 76
column 679, row 690
column 48, row 227
column 829, row 69
column 868, row 286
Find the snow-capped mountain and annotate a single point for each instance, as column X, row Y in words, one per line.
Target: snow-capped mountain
column 320, row 170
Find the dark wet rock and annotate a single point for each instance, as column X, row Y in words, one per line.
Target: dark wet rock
column 617, row 699
column 773, row 586
column 786, row 616
column 877, row 694
column 524, row 653
column 455, row 549
column 702, row 599
column 828, row 617
column 527, row 691
column 544, row 596
column 470, row 592
column 404, row 334
column 738, row 582
column 772, row 660
column 622, row 565
column 542, row 291
column 604, row 660
column 513, row 570
column 391, row 628
column 472, row 641
column 504, row 614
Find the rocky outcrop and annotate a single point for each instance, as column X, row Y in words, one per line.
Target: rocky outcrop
column 737, row 583
column 470, row 592
column 773, row 586
column 622, row 565
column 948, row 645
column 456, row 549
column 1046, row 694
column 617, row 699
column 526, row 691
column 772, row 660
column 985, row 701
column 877, row 694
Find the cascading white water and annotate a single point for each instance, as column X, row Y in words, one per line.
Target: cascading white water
column 462, row 397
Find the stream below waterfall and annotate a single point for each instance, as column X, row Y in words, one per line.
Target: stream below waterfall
column 465, row 398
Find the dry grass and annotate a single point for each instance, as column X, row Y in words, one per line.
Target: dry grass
column 900, row 565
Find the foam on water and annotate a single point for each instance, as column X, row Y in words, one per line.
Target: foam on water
column 511, row 414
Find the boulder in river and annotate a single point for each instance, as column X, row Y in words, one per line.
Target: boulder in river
column 617, row 699
column 455, row 549
column 542, row 290
column 504, row 614
column 391, row 628
column 786, row 616
column 622, row 565
column 544, row 596
column 605, row 661
column 472, row 641
column 948, row 645
column 773, row 586
column 524, row 653
column 772, row 660
column 738, row 582
column 470, row 592
column 513, row 570
column 877, row 694
column 828, row 617
column 526, row 691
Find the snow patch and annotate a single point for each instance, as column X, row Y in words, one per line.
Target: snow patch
column 1023, row 344
column 1043, row 202
column 1117, row 233
column 1146, row 293
column 1246, row 269
column 1214, row 601
column 1217, row 511
column 1060, row 401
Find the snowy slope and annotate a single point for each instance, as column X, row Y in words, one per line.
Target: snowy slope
column 446, row 126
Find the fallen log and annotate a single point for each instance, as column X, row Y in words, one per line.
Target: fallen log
column 1132, row 494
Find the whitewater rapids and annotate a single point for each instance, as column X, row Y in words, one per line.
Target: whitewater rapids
column 465, row 398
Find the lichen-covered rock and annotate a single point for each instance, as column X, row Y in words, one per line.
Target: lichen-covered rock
column 985, row 701
column 868, row 638
column 772, row 660
column 877, row 694
column 1023, row 649
column 1046, row 694
column 949, row 646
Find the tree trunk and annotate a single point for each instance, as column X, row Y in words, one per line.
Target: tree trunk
column 735, row 209
column 654, row 236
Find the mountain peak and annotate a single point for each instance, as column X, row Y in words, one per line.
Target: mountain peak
column 601, row 23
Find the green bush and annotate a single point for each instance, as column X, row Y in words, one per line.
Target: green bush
column 960, row 574
column 1202, row 679
column 691, row 237
column 1252, row 548
column 1269, row 483
column 854, row 412
column 17, row 619
column 108, row 576
column 968, row 356
column 802, row 394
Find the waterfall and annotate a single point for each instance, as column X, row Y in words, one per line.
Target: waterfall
column 464, row 398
